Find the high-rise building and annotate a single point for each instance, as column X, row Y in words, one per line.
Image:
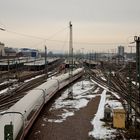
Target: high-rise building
column 2, row 52
column 121, row 50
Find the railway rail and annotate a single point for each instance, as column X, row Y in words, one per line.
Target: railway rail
column 23, row 114
column 117, row 84
column 9, row 98
column 18, row 74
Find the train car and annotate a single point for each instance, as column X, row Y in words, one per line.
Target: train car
column 21, row 116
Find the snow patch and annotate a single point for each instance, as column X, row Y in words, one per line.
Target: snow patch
column 114, row 104
column 81, row 97
column 100, row 131
column 106, row 88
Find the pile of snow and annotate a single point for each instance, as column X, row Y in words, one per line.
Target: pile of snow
column 4, row 91
column 114, row 104
column 103, row 78
column 38, row 76
column 99, row 130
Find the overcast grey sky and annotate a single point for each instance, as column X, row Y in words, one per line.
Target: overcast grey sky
column 98, row 25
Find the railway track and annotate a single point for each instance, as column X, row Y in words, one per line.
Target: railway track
column 10, row 98
column 117, row 84
column 7, row 100
column 21, row 76
column 122, row 85
column 24, row 87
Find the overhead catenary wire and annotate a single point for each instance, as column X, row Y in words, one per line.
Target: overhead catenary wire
column 25, row 35
column 62, row 41
column 36, row 37
column 61, row 30
column 49, row 39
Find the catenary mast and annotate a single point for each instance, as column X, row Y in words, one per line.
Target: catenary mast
column 70, row 90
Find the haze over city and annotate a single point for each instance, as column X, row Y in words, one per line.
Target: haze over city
column 98, row 25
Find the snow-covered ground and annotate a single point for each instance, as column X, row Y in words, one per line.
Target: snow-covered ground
column 81, row 97
column 4, row 91
column 99, row 131
column 103, row 78
column 33, row 78
column 8, row 81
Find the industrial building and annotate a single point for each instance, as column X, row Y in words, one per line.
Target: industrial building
column 26, row 52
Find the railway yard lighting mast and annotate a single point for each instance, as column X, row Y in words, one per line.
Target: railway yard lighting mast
column 70, row 90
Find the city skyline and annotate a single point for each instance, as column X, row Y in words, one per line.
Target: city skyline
column 98, row 25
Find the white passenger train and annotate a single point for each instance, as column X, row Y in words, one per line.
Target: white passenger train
column 24, row 112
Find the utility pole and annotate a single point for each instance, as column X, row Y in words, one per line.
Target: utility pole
column 130, row 92
column 131, row 52
column 137, row 40
column 8, row 68
column 46, row 67
column 90, row 61
column 70, row 90
column 109, row 77
column 95, row 57
column 82, row 65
